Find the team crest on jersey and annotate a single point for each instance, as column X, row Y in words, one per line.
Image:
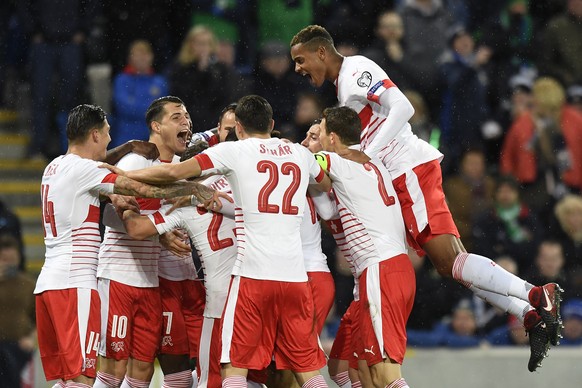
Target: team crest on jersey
column 167, row 341
column 89, row 363
column 117, row 346
column 365, row 79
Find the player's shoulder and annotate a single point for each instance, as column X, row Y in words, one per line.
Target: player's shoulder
column 134, row 161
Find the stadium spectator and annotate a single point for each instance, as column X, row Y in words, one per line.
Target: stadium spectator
column 469, row 192
column 549, row 265
column 574, row 94
column 387, row 49
column 57, row 31
column 572, row 315
column 541, row 149
column 568, row 213
column 17, row 322
column 426, row 23
column 560, row 52
column 198, row 78
column 510, row 334
column 133, row 91
column 464, row 105
column 459, row 331
column 10, row 224
column 508, row 227
column 275, row 80
column 307, row 111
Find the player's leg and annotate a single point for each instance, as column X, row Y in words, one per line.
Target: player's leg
column 114, row 348
column 174, row 354
column 323, row 291
column 430, row 227
column 68, row 333
column 387, row 294
column 147, row 326
column 338, row 364
column 250, row 343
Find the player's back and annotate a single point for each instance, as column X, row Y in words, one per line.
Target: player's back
column 269, row 179
column 70, row 201
column 369, row 210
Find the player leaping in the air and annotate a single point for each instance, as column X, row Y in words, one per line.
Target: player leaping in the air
column 415, row 169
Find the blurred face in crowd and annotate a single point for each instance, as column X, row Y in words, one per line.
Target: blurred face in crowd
column 277, row 65
column 390, row 27
column 9, row 259
column 575, row 8
column 141, row 57
column 573, row 220
column 464, row 44
column 550, row 259
column 463, row 322
column 226, row 125
column 307, row 110
column 572, row 328
column 202, row 44
column 311, row 140
column 506, row 195
column 473, row 165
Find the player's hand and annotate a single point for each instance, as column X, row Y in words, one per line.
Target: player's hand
column 355, row 156
column 174, row 242
column 113, row 169
column 145, row 148
column 215, row 204
column 178, row 202
column 124, row 202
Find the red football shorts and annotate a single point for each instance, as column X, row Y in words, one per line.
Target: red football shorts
column 424, row 208
column 68, row 327
column 323, row 291
column 131, row 321
column 387, row 292
column 265, row 319
column 183, row 306
column 344, row 345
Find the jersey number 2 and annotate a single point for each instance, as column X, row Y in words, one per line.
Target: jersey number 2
column 266, row 166
column 48, row 210
column 388, row 199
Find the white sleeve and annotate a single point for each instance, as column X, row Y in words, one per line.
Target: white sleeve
column 324, row 205
column 218, row 159
column 111, row 219
column 401, row 111
column 166, row 223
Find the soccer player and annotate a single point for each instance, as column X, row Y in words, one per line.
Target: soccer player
column 414, row 166
column 374, row 232
column 128, row 281
column 269, row 308
column 67, row 302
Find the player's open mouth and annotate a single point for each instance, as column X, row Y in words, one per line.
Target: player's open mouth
column 183, row 136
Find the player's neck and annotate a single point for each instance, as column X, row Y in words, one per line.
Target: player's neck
column 166, row 154
column 83, row 152
column 336, row 64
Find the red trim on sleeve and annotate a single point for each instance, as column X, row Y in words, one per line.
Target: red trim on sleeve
column 158, row 218
column 319, row 177
column 109, row 178
column 214, row 140
column 365, row 115
column 204, row 161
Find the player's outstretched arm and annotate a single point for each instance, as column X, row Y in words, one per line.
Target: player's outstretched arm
column 127, row 186
column 160, row 174
column 138, row 227
column 144, row 148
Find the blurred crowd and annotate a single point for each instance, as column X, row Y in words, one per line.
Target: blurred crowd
column 496, row 86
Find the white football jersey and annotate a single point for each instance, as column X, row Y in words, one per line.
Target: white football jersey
column 121, row 258
column 369, row 211
column 359, row 86
column 315, row 260
column 70, row 191
column 269, row 179
column 213, row 236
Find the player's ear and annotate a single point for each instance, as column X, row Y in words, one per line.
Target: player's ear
column 272, row 126
column 95, row 133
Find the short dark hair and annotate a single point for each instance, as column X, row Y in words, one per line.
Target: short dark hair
column 312, row 35
column 229, row 108
column 254, row 113
column 82, row 119
column 155, row 111
column 344, row 122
